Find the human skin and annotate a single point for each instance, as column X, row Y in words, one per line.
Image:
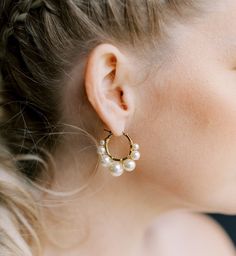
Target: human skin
column 184, row 119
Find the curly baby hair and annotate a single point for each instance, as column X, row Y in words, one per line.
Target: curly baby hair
column 40, row 42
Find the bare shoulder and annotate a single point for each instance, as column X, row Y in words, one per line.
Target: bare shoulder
column 187, row 234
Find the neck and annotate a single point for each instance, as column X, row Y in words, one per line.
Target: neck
column 112, row 216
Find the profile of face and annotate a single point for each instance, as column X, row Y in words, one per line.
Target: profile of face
column 183, row 116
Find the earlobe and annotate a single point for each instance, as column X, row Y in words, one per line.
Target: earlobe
column 107, row 90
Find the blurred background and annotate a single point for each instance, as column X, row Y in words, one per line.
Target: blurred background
column 228, row 223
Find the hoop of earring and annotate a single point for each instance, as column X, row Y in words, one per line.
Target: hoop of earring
column 117, row 166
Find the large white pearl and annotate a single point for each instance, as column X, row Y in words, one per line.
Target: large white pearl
column 101, row 150
column 105, row 160
column 135, row 146
column 116, row 168
column 135, row 155
column 129, row 165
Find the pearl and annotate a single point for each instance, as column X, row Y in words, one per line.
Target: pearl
column 135, row 146
column 129, row 165
column 102, row 142
column 101, row 150
column 135, row 155
column 116, row 168
column 105, row 160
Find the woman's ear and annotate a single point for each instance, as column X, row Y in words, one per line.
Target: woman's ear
column 107, row 86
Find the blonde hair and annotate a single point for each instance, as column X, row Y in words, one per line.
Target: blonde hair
column 40, row 41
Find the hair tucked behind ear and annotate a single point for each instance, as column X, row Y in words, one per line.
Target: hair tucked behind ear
column 40, row 41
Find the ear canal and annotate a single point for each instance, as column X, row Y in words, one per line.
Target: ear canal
column 122, row 101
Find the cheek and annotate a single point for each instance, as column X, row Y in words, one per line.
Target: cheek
column 195, row 140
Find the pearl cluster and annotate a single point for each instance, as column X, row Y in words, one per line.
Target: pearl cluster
column 117, row 168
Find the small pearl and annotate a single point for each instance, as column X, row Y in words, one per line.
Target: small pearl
column 116, row 168
column 105, row 160
column 135, row 155
column 101, row 150
column 102, row 142
column 135, row 146
column 129, row 165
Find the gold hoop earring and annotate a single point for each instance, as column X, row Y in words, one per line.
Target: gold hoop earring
column 117, row 166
